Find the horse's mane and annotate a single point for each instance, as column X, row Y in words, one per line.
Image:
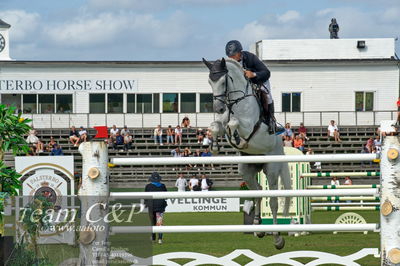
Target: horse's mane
column 234, row 62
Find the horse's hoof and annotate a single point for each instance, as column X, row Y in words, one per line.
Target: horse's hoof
column 279, row 242
column 259, row 234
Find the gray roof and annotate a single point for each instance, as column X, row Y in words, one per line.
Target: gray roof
column 4, row 25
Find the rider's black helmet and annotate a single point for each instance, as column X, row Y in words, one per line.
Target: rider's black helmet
column 233, row 47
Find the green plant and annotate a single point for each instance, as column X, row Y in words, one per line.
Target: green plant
column 34, row 220
column 22, row 256
column 13, row 128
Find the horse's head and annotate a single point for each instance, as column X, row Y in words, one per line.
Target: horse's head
column 218, row 82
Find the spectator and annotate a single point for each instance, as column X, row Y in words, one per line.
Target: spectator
column 200, row 135
column 335, row 181
column 206, row 183
column 176, row 152
column 288, row 131
column 333, row 131
column 83, row 135
column 33, row 139
column 303, row 132
column 197, row 153
column 156, row 207
column 287, row 142
column 207, row 140
column 369, row 145
column 348, row 181
column 74, row 136
column 127, row 141
column 298, row 143
column 187, row 152
column 194, row 184
column 170, row 135
column 118, row 141
column 378, row 143
column 158, row 132
column 51, row 144
column 56, row 150
column 316, row 165
column 398, row 110
column 181, row 183
column 113, row 133
column 125, row 131
column 206, row 153
column 178, row 135
column 185, row 122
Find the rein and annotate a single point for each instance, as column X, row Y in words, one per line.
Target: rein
column 229, row 103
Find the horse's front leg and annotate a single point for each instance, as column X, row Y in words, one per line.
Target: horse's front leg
column 249, row 172
column 217, row 130
column 272, row 178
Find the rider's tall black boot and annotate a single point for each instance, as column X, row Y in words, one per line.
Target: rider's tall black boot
column 272, row 121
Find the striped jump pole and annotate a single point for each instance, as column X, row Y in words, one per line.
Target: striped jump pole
column 329, row 198
column 324, row 204
column 346, row 208
column 342, row 174
column 342, row 186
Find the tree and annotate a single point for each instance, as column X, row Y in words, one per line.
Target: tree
column 13, row 128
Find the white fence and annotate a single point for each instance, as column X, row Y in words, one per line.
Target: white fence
column 202, row 119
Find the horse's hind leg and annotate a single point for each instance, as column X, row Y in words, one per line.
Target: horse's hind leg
column 272, row 173
column 249, row 171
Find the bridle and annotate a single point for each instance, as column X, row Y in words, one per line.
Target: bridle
column 229, row 103
column 225, row 97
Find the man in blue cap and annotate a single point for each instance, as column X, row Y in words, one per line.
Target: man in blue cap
column 258, row 73
column 157, row 206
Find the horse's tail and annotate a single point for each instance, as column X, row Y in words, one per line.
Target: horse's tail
column 287, row 184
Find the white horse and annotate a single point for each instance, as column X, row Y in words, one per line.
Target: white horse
column 239, row 120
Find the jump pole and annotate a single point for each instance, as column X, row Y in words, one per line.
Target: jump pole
column 246, row 194
column 341, row 174
column 244, row 159
column 245, row 228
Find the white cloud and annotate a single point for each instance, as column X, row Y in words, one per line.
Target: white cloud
column 354, row 23
column 23, row 24
column 288, row 16
column 107, row 28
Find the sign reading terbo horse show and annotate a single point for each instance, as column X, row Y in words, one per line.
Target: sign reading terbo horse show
column 28, row 85
column 203, row 205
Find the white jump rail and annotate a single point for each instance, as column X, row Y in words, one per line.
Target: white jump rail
column 245, row 159
column 246, row 194
column 245, row 228
column 340, row 174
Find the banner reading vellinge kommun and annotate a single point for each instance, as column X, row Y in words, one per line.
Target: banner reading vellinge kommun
column 203, row 205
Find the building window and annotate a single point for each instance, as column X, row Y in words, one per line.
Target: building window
column 206, row 103
column 364, row 101
column 64, row 103
column 130, row 103
column 144, row 104
column 291, row 102
column 188, row 102
column 170, row 102
column 46, row 103
column 29, row 103
column 97, row 103
column 115, row 103
column 12, row 100
column 156, row 102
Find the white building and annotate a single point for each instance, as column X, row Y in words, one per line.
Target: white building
column 351, row 81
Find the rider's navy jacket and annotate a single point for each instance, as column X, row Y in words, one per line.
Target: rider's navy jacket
column 251, row 62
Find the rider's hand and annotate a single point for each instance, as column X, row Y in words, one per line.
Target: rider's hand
column 249, row 74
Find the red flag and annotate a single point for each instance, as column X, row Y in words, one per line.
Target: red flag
column 101, row 132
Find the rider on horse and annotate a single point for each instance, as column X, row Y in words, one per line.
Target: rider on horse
column 257, row 72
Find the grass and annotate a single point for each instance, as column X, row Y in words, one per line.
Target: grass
column 221, row 244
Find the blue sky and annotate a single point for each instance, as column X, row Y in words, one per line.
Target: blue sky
column 181, row 29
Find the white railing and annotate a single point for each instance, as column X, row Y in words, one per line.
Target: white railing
column 343, row 118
